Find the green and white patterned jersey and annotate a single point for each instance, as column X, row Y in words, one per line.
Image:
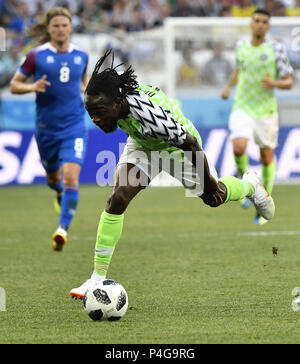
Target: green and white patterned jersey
column 254, row 64
column 156, row 121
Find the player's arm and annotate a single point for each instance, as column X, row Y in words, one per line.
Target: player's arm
column 285, row 83
column 84, row 83
column 18, row 84
column 232, row 82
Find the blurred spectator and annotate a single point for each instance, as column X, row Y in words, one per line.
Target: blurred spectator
column 137, row 21
column 153, row 12
column 218, row 69
column 183, row 9
column 71, row 5
column 34, row 6
column 230, row 3
column 225, row 11
column 279, row 9
column 275, row 7
column 293, row 9
column 93, row 18
column 11, row 7
column 188, row 70
column 245, row 8
column 165, row 9
column 122, row 13
column 21, row 22
column 39, row 15
column 210, row 8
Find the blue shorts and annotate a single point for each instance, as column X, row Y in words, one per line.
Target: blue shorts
column 54, row 152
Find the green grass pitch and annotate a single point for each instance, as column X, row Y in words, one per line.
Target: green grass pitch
column 193, row 274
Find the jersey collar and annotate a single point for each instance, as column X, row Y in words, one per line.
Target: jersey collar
column 53, row 49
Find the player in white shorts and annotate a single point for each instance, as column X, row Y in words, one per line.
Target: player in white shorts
column 264, row 132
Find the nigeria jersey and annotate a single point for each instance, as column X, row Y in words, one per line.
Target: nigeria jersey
column 155, row 121
column 254, row 64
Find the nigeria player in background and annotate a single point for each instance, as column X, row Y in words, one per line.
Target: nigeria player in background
column 262, row 66
column 58, row 68
column 160, row 139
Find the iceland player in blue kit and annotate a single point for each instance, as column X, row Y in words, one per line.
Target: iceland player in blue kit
column 59, row 71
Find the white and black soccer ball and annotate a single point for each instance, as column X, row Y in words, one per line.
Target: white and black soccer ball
column 105, row 300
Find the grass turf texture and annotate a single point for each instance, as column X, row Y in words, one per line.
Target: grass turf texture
column 193, row 274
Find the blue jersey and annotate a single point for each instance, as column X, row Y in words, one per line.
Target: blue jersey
column 60, row 110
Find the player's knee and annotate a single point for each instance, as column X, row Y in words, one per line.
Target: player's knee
column 53, row 180
column 118, row 201
column 71, row 181
column 71, row 172
column 266, row 160
column 71, row 178
column 239, row 151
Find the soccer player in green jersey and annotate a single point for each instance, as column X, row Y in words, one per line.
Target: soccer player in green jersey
column 262, row 66
column 160, row 139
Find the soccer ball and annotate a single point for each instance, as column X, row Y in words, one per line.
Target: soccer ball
column 105, row 300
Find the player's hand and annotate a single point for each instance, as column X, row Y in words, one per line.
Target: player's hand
column 215, row 196
column 40, row 85
column 268, row 83
column 225, row 94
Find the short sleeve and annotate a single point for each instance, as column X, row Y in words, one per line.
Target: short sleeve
column 27, row 67
column 282, row 60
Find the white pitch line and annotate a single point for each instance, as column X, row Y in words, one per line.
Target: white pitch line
column 266, row 233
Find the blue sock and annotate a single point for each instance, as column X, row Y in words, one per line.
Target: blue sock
column 69, row 203
column 58, row 188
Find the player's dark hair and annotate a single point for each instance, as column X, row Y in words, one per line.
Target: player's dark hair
column 110, row 82
column 261, row 11
column 39, row 30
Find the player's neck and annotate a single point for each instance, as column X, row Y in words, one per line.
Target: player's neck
column 257, row 41
column 60, row 46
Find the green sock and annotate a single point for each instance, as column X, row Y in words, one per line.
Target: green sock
column 242, row 163
column 108, row 234
column 237, row 188
column 268, row 176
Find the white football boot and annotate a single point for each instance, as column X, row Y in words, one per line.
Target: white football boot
column 262, row 201
column 59, row 239
column 79, row 292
